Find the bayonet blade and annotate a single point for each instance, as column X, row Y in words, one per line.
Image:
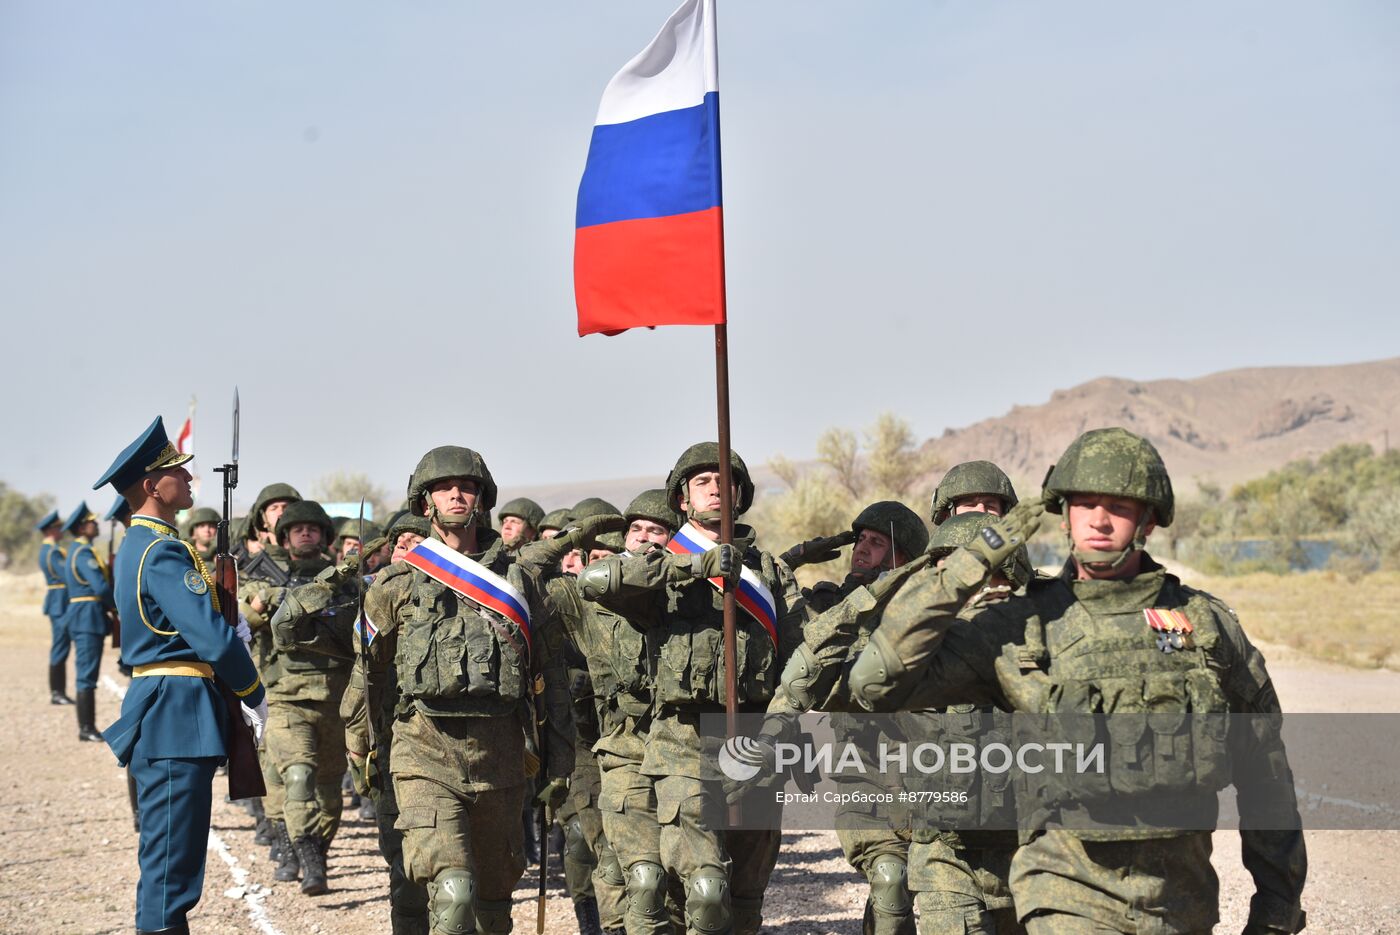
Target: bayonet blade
column 235, row 425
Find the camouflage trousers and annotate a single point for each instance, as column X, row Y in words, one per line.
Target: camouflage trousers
column 628, row 806
column 692, row 815
column 866, row 834
column 408, row 901
column 964, row 889
column 308, row 734
column 449, row 822
column 591, row 867
column 1163, row 886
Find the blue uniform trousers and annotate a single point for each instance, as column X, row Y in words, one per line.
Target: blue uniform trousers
column 174, row 796
column 89, row 659
column 58, row 649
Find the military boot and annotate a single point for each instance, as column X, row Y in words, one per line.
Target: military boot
column 181, row 929
column 57, row 677
column 311, row 854
column 87, row 715
column 586, row 911
column 288, row 866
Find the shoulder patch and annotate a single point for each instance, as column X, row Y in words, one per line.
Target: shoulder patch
column 195, row 582
column 92, row 563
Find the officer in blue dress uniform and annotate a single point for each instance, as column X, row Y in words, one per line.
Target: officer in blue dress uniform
column 173, row 723
column 120, row 512
column 89, row 601
column 51, row 559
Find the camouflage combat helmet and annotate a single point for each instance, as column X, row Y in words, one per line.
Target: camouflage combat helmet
column 238, row 529
column 970, row 479
column 885, row 516
column 556, row 519
column 407, row 522
column 350, row 527
column 1114, row 462
column 523, row 508
column 205, row 514
column 451, row 461
column 958, row 531
column 269, row 494
column 655, row 506
column 705, row 456
column 592, row 506
column 612, row 541
column 305, row 511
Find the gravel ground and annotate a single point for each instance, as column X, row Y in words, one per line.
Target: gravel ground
column 68, row 853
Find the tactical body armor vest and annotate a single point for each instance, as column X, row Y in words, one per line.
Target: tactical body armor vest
column 456, row 658
column 690, row 657
column 1110, row 680
column 273, row 566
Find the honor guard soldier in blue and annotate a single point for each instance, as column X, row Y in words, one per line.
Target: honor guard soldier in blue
column 51, row 559
column 173, row 723
column 89, row 602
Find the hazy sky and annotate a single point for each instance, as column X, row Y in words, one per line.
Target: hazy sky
column 362, row 214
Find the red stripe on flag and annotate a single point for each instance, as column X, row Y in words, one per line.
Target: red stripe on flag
column 648, row 272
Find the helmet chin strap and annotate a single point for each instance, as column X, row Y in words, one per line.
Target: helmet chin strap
column 452, row 519
column 707, row 516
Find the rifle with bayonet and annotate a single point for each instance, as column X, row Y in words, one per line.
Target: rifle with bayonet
column 245, row 778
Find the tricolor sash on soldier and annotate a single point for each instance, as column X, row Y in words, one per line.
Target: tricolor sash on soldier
column 753, row 595
column 472, row 580
column 649, row 235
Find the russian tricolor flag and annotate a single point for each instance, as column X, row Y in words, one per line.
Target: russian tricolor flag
column 649, row 244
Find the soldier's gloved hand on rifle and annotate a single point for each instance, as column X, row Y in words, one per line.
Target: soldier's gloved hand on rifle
column 723, row 561
column 820, row 549
column 553, row 793
column 995, row 543
column 579, row 535
column 256, row 718
column 245, row 633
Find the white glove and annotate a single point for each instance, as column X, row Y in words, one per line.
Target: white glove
column 245, row 632
column 256, row 718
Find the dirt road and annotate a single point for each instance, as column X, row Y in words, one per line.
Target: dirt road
column 68, row 853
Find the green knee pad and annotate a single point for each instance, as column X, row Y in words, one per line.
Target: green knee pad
column 450, row 899
column 748, row 915
column 646, row 890
column 406, row 923
column 610, row 868
column 576, row 845
column 300, row 780
column 493, row 917
column 707, row 904
column 889, row 886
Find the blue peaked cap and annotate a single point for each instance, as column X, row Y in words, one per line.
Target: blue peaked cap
column 47, row 521
column 80, row 515
column 118, row 510
column 152, row 451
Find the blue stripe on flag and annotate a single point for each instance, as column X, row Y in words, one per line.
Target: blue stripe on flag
column 657, row 166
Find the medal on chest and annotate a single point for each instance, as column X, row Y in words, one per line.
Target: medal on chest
column 1172, row 627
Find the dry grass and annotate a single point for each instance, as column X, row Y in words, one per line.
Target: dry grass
column 1349, row 619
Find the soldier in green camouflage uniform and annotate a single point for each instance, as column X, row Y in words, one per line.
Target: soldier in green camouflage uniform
column 959, row 869
column 520, row 522
column 972, row 487
column 305, row 736
column 260, row 575
column 1082, row 643
column 368, row 734
column 203, row 527
column 591, row 870
column 620, row 673
column 886, row 535
column 465, row 674
column 724, row 873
